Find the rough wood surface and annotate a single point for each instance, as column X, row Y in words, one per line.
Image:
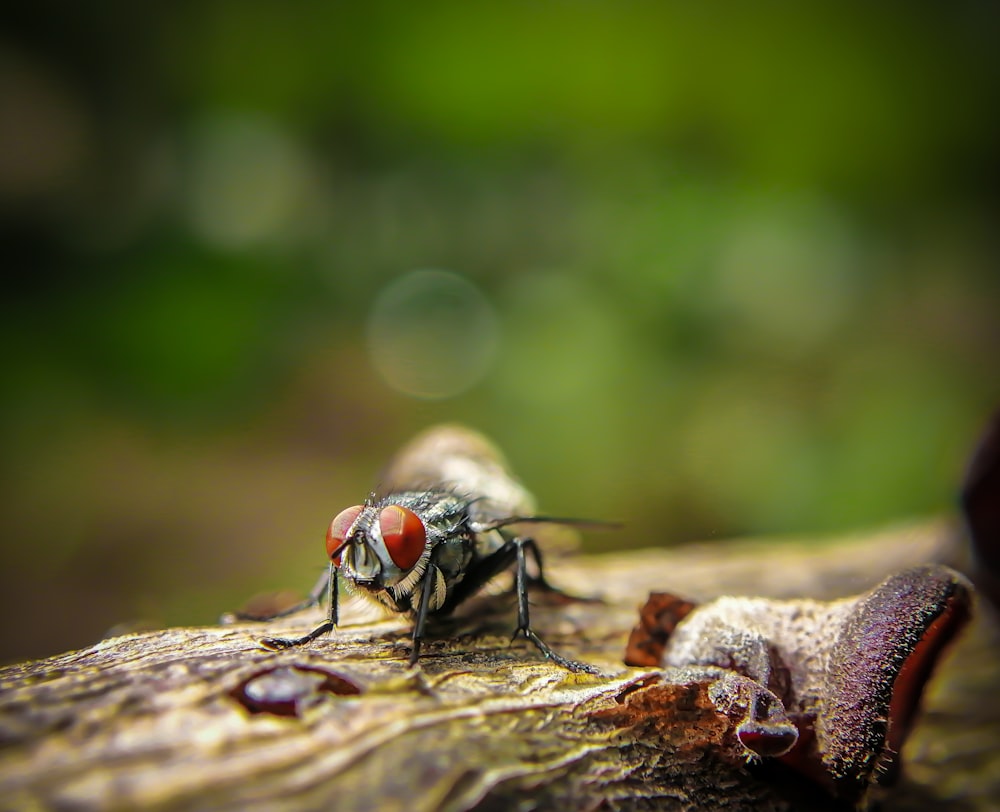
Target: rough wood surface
column 156, row 720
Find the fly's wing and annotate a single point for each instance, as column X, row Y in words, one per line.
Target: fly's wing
column 455, row 458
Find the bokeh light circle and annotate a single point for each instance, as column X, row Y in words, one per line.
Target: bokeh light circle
column 432, row 334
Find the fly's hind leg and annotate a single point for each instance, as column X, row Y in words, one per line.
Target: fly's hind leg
column 538, row 579
column 540, row 582
column 521, row 581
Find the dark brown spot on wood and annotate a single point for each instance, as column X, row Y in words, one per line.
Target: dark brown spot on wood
column 289, row 690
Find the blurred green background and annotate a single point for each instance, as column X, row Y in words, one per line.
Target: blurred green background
column 709, row 269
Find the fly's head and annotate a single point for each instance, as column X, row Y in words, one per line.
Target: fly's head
column 377, row 546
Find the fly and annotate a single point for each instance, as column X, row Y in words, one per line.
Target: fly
column 452, row 517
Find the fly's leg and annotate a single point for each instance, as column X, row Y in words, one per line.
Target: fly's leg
column 275, row 643
column 313, row 599
column 523, row 616
column 512, row 552
column 539, row 581
column 423, row 609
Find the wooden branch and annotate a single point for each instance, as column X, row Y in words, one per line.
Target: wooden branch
column 166, row 720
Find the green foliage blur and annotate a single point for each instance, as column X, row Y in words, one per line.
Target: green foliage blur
column 738, row 265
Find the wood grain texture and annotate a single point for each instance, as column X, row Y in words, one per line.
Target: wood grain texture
column 154, row 721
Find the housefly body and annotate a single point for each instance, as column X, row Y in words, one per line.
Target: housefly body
column 451, row 518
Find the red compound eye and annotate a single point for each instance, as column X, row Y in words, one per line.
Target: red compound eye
column 404, row 535
column 337, row 532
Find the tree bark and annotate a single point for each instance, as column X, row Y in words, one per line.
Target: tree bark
column 198, row 718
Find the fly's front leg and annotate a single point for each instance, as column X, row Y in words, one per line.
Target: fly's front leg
column 275, row 643
column 426, row 590
column 521, row 580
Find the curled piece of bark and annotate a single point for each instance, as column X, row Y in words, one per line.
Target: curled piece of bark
column 657, row 620
column 829, row 687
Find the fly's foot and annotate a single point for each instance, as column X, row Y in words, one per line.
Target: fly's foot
column 558, row 659
column 279, row 643
column 414, row 654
